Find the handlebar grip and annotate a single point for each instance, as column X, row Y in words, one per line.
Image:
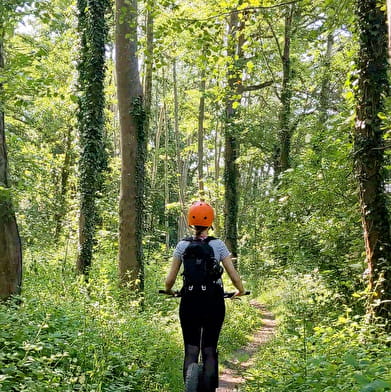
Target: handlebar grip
column 176, row 293
column 231, row 294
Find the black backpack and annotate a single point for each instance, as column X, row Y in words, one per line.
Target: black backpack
column 200, row 267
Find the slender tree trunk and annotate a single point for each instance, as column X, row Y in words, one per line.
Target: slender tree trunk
column 201, row 116
column 217, row 154
column 133, row 145
column 93, row 160
column 373, row 85
column 324, row 102
column 389, row 28
column 10, row 245
column 324, row 97
column 148, row 64
column 65, row 172
column 166, row 187
column 158, row 136
column 236, row 41
column 285, row 133
column 181, row 166
column 231, row 145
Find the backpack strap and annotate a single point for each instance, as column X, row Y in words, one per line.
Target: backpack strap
column 207, row 239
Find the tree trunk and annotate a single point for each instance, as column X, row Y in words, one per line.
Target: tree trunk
column 166, row 187
column 133, row 145
column 324, row 103
column 10, row 244
column 217, row 155
column 285, row 134
column 63, row 189
column 93, row 161
column 231, row 145
column 324, row 97
column 148, row 64
column 373, row 85
column 158, row 136
column 181, row 166
column 201, row 116
column 389, row 28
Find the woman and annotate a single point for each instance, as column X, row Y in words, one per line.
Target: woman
column 202, row 307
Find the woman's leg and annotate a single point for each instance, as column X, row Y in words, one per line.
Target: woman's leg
column 191, row 356
column 210, row 372
column 191, row 329
column 210, row 336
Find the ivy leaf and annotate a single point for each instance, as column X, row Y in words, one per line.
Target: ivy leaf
column 376, row 385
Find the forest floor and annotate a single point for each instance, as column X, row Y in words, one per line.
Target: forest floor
column 232, row 377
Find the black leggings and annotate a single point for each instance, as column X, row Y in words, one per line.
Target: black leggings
column 202, row 315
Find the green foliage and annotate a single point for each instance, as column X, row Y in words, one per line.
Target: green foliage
column 310, row 221
column 319, row 347
column 66, row 336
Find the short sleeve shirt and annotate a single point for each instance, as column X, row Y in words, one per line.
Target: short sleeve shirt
column 219, row 248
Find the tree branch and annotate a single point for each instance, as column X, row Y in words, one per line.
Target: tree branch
column 239, row 11
column 256, row 87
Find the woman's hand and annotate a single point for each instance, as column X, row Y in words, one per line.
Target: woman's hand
column 239, row 293
column 170, row 292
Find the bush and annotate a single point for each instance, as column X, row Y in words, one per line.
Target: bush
column 317, row 349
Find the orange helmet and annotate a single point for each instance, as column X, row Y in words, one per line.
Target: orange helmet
column 200, row 214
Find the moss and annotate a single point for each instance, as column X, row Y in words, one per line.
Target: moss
column 6, row 209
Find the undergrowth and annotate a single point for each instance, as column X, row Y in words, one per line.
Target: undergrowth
column 69, row 335
column 320, row 345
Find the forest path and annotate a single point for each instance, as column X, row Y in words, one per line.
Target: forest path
column 232, row 376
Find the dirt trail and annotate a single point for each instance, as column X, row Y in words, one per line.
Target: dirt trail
column 232, row 375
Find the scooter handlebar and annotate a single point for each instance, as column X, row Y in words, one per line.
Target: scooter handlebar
column 178, row 293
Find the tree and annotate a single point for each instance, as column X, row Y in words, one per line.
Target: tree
column 389, row 27
column 133, row 144
column 231, row 145
column 236, row 40
column 285, row 131
column 372, row 86
column 10, row 245
column 93, row 31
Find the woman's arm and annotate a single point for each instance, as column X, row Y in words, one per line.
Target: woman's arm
column 172, row 274
column 233, row 274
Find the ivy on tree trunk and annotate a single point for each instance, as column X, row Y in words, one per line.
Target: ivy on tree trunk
column 93, row 161
column 371, row 88
column 282, row 162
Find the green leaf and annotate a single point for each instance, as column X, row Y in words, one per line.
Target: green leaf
column 376, row 385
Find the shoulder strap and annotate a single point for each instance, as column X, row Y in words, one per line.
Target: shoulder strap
column 207, row 239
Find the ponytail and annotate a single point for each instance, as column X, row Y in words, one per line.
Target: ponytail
column 199, row 230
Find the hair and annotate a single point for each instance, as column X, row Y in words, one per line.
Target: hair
column 199, row 230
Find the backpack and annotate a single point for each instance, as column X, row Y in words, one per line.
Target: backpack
column 200, row 267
